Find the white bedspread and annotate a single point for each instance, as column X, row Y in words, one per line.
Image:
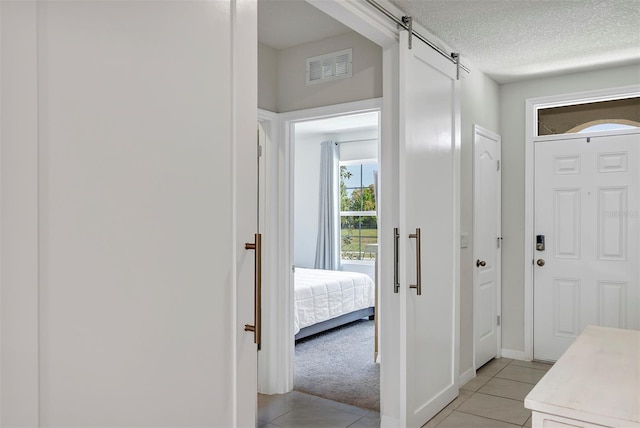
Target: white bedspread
column 324, row 294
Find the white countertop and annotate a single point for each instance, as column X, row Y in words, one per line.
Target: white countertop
column 596, row 380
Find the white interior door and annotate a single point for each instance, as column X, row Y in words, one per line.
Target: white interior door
column 587, row 193
column 486, row 244
column 144, row 159
column 429, row 201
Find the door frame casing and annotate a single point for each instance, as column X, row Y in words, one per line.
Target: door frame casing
column 287, row 122
column 271, row 378
column 276, row 358
column 531, row 107
column 478, row 130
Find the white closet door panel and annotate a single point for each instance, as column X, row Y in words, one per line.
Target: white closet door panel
column 486, row 244
column 136, row 214
column 19, row 215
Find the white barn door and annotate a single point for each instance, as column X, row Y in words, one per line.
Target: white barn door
column 429, row 231
column 145, row 164
column 587, row 204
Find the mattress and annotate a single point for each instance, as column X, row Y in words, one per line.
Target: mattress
column 325, row 294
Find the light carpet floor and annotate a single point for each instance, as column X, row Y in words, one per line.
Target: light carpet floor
column 339, row 365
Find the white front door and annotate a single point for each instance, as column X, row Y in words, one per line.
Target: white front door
column 429, row 231
column 587, row 212
column 144, row 159
column 486, row 244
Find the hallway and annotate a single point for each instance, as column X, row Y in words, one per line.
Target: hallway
column 494, row 398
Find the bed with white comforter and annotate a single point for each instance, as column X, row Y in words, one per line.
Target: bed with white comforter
column 322, row 295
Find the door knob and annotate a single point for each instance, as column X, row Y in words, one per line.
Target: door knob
column 540, row 262
column 480, row 263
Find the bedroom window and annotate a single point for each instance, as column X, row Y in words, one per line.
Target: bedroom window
column 358, row 221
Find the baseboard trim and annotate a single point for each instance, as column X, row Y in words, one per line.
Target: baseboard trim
column 466, row 376
column 387, row 421
column 515, row 355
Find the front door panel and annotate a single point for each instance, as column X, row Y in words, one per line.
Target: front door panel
column 587, row 209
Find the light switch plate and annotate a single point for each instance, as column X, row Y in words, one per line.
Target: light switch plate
column 464, row 240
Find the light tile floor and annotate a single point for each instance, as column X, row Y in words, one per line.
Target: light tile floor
column 494, row 398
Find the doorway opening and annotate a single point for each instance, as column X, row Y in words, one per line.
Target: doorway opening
column 335, row 170
column 292, row 103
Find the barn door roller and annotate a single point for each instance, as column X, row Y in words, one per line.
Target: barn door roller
column 406, row 22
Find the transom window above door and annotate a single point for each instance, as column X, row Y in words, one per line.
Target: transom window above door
column 608, row 115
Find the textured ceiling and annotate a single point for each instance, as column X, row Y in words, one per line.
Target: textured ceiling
column 507, row 39
column 516, row 39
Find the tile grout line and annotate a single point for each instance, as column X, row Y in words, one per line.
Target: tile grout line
column 500, row 396
column 472, row 393
column 478, row 392
column 491, row 419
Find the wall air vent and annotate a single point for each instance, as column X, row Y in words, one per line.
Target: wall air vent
column 331, row 66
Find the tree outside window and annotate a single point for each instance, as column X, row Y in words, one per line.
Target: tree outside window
column 359, row 225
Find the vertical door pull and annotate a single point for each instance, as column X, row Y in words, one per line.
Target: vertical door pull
column 256, row 328
column 418, row 284
column 396, row 260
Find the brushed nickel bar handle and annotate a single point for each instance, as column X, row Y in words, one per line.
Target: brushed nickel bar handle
column 418, row 285
column 257, row 290
column 396, row 260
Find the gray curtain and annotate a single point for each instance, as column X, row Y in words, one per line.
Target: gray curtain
column 375, row 191
column 328, row 244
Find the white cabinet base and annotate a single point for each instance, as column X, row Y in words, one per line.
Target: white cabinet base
column 596, row 383
column 544, row 420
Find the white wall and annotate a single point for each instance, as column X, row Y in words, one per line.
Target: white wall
column 512, row 129
column 480, row 105
column 361, row 149
column 267, row 78
column 306, row 184
column 368, row 268
column 366, row 83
